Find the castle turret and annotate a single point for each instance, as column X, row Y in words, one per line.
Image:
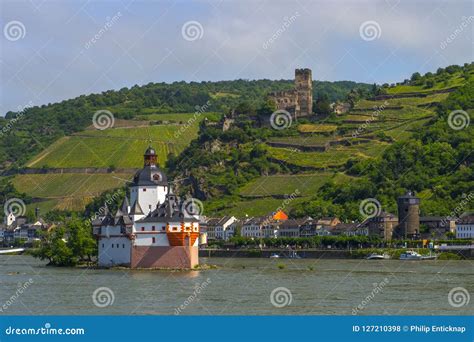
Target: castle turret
column 408, row 216
column 150, row 184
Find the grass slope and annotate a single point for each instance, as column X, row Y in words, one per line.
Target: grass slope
column 120, row 147
column 67, row 191
column 306, row 184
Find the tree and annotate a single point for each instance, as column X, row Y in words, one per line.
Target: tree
column 67, row 245
column 430, row 83
column 267, row 108
column 322, row 105
column 80, row 240
column 245, row 108
column 415, row 77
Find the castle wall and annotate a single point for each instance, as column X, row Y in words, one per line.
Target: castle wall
column 146, row 239
column 164, row 257
column 114, row 251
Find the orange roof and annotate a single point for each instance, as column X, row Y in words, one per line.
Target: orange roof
column 280, row 215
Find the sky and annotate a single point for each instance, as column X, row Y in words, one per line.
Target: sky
column 57, row 50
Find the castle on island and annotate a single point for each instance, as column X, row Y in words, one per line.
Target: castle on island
column 152, row 229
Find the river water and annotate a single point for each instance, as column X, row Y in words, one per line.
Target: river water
column 241, row 287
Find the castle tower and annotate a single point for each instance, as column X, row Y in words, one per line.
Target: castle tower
column 408, row 215
column 304, row 91
column 150, row 185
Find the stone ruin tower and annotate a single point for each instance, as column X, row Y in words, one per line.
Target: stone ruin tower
column 304, row 91
column 299, row 100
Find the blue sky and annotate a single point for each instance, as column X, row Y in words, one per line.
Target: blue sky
column 56, row 56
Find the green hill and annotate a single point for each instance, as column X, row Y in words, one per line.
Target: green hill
column 61, row 135
column 320, row 165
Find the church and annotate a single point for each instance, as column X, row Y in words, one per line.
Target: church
column 152, row 229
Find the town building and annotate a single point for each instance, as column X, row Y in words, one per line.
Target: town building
column 465, row 227
column 298, row 101
column 153, row 229
column 222, row 228
column 16, row 229
column 349, row 229
column 340, row 107
column 259, row 227
column 290, row 228
column 320, row 227
column 264, row 226
column 436, row 227
column 329, row 221
column 382, row 225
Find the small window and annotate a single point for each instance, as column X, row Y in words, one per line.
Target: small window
column 102, row 245
column 143, row 229
column 123, row 245
column 112, row 245
column 144, row 189
column 163, row 228
column 153, row 228
column 153, row 240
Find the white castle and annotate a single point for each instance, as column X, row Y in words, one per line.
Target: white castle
column 155, row 231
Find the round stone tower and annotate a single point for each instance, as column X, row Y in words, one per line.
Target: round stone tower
column 408, row 216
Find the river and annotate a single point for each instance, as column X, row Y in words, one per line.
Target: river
column 243, row 286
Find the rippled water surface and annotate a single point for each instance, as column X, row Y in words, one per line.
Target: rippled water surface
column 240, row 286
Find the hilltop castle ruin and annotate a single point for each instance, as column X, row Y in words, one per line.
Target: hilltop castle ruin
column 299, row 101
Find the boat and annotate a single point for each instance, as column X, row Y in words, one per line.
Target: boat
column 410, row 255
column 375, row 256
column 274, row 256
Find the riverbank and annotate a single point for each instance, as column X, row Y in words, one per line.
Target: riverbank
column 326, row 253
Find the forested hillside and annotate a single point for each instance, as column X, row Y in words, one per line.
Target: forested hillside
column 389, row 139
column 382, row 147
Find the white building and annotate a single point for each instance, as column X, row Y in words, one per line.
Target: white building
column 465, row 228
column 259, row 227
column 155, row 231
column 222, row 228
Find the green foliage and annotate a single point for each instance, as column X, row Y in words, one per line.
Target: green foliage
column 437, row 158
column 451, row 76
column 310, row 242
column 449, row 256
column 67, row 245
column 322, row 105
column 267, row 108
